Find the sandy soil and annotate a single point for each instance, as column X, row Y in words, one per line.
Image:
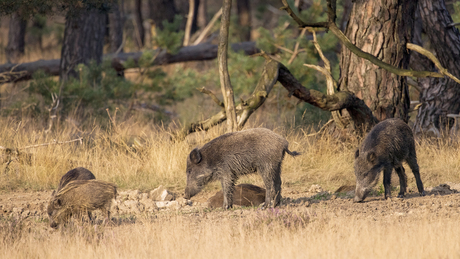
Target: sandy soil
column 440, row 201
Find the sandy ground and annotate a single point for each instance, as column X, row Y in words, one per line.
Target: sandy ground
column 441, row 201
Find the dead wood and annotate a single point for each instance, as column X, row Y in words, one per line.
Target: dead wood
column 205, row 51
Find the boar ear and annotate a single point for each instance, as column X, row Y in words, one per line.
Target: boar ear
column 357, row 153
column 195, row 156
column 371, row 157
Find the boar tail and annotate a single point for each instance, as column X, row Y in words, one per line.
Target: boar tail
column 292, row 153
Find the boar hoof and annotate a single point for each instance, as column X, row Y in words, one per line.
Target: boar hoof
column 422, row 193
column 401, row 196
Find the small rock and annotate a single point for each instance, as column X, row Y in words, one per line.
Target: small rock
column 162, row 194
column 315, row 188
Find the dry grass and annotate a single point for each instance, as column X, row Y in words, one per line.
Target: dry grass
column 139, row 156
column 299, row 233
column 197, row 235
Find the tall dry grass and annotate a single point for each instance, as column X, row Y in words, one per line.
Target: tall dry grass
column 142, row 156
column 238, row 235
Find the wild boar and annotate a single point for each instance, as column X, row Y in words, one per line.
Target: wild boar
column 231, row 155
column 244, row 195
column 81, row 196
column 387, row 146
column 79, row 173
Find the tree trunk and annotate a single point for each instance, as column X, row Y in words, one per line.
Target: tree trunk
column 244, row 19
column 16, row 34
column 83, row 39
column 139, row 24
column 441, row 96
column 381, row 28
column 226, row 86
column 161, row 10
column 202, row 19
column 115, row 28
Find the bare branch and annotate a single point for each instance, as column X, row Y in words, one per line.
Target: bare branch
column 433, row 58
column 348, row 44
column 188, row 26
column 52, row 143
column 296, row 48
column 213, row 96
column 208, row 27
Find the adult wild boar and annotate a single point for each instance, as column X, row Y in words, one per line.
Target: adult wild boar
column 81, row 196
column 387, row 146
column 231, row 155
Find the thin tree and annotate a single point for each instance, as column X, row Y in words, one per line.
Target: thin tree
column 226, row 86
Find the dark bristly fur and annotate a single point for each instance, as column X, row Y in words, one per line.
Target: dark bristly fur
column 387, row 146
column 244, row 195
column 79, row 173
column 81, row 196
column 231, row 155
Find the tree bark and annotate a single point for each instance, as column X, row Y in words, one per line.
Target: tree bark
column 202, row 19
column 226, row 86
column 381, row 28
column 16, row 34
column 139, row 23
column 83, row 39
column 162, row 10
column 244, row 19
column 439, row 97
column 115, row 28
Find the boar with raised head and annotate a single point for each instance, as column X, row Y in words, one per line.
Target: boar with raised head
column 231, row 155
column 79, row 173
column 387, row 146
column 81, row 196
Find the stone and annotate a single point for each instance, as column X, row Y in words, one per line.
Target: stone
column 162, row 194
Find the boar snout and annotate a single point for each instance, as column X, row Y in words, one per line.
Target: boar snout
column 190, row 192
column 360, row 194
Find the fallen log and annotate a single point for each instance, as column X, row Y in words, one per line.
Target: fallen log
column 205, row 51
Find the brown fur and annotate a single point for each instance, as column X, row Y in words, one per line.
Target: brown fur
column 81, row 196
column 244, row 195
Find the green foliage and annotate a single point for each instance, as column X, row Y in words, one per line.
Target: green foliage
column 456, row 14
column 170, row 38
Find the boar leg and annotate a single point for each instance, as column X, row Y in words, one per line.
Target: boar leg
column 402, row 180
column 277, row 189
column 387, row 180
column 228, row 187
column 412, row 162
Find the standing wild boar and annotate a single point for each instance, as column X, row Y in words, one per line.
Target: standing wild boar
column 81, row 196
column 227, row 157
column 79, row 173
column 387, row 145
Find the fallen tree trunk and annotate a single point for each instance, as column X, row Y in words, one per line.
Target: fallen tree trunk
column 204, row 51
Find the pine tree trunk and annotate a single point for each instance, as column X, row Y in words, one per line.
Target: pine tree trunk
column 244, row 19
column 83, row 39
column 202, row 19
column 162, row 10
column 441, row 96
column 382, row 28
column 139, row 23
column 16, row 34
column 115, row 28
